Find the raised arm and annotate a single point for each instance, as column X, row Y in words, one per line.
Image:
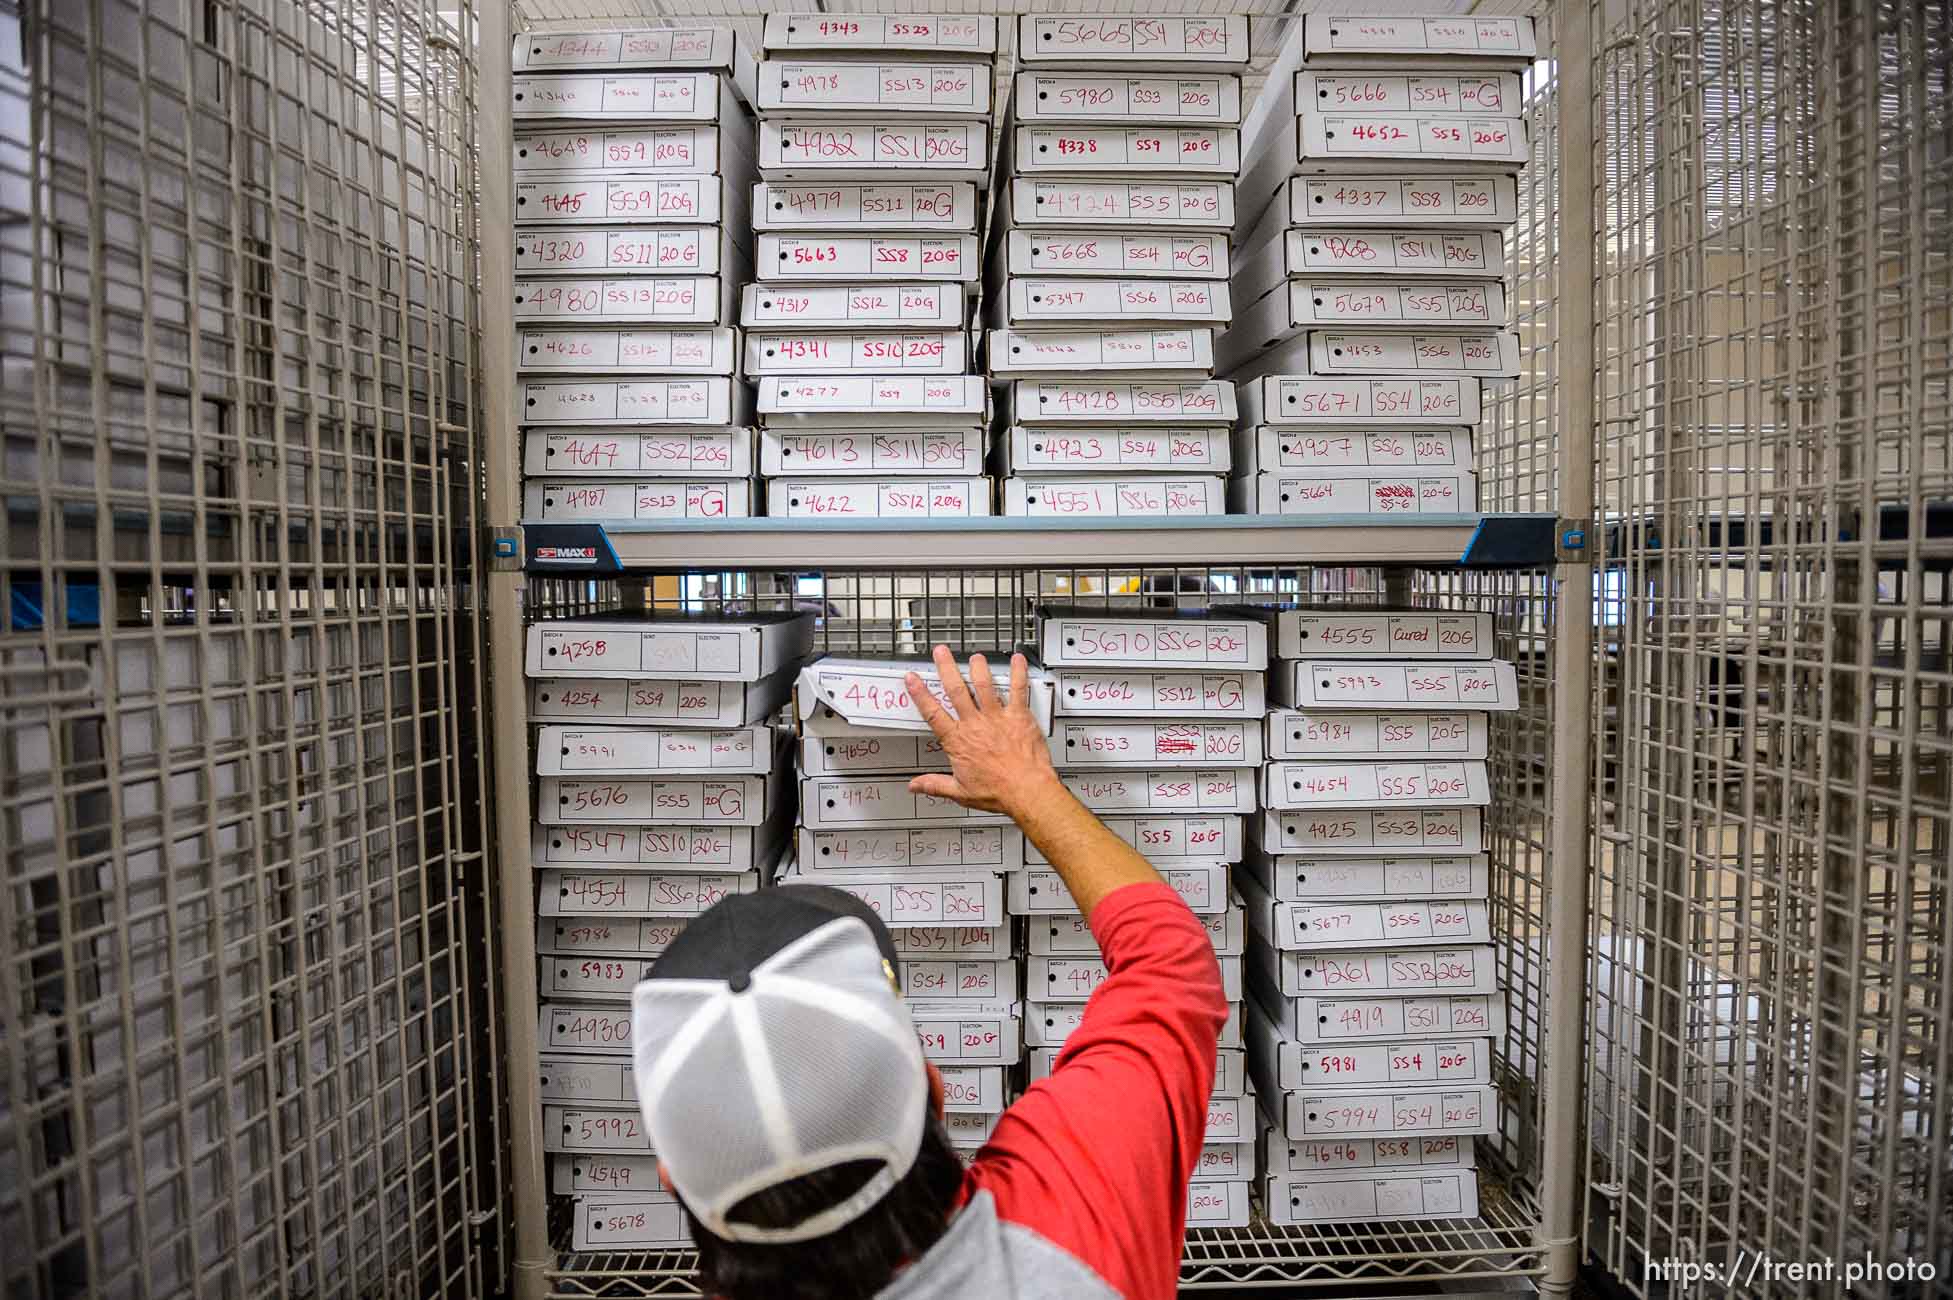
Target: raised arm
column 999, row 762
column 1095, row 1158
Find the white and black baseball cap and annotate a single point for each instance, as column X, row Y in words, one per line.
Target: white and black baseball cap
column 772, row 1042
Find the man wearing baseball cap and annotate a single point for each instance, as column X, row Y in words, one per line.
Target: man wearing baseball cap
column 786, row 1096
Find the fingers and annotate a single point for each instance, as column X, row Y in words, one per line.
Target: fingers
column 940, row 785
column 926, row 704
column 984, row 682
column 954, row 686
column 1020, row 683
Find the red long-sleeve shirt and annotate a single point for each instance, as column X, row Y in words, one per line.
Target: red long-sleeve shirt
column 1096, row 1158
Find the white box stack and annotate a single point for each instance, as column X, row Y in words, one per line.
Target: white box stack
column 1372, row 1002
column 931, row 869
column 633, row 171
column 1379, row 173
column 1158, row 729
column 874, row 150
column 662, row 788
column 1107, row 278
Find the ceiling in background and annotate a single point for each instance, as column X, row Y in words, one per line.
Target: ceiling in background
column 1270, row 25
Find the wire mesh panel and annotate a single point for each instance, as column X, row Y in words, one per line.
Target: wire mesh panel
column 244, row 1015
column 1772, row 1022
column 905, row 611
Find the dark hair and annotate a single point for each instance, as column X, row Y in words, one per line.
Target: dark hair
column 850, row 1263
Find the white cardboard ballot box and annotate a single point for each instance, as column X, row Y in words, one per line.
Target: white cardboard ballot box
column 1295, row 879
column 1039, row 202
column 744, row 648
column 571, row 500
column 899, row 206
column 676, row 701
column 1207, row 43
column 1167, row 693
column 612, row 453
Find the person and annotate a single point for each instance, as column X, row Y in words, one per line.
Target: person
column 785, row 1092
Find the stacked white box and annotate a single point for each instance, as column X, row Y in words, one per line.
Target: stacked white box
column 874, row 146
column 662, row 789
column 633, row 167
column 1372, row 1003
column 1379, row 171
column 1159, row 709
column 1107, row 278
column 932, row 870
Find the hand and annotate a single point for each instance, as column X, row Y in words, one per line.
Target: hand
column 997, row 755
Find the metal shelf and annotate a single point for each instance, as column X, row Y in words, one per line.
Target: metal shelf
column 1500, row 541
column 1501, row 1245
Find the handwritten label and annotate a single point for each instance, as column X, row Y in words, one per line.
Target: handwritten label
column 1040, row 300
column 647, row 47
column 687, row 96
column 1347, row 1019
column 1326, row 492
column 1488, row 354
column 1150, row 203
column 781, row 206
column 730, row 847
column 939, row 352
column 1488, row 684
column 1115, row 498
column 587, row 1029
column 631, row 750
column 986, row 981
column 1049, row 401
column 893, row 752
column 876, row 32
column 870, row 801
column 1462, row 1060
column 603, row 978
column 1404, row 252
column 963, row 941
column 626, row 649
column 1198, row 150
column 1132, row 99
column 568, row 1128
column 599, row 1224
column 694, row 299
column 652, row 401
column 1311, row 1155
column 703, row 351
column 1139, row 692
column 598, row 700
column 1380, row 302
column 1360, row 830
column 1417, row 970
column 938, row 87
column 1101, row 744
column 1488, row 95
column 789, row 258
column 1382, row 879
column 959, row 451
column 676, row 149
column 1192, row 350
column 1435, row 1110
column 954, row 1034
column 1210, row 789
column 578, row 893
column 1293, row 784
column 1310, row 926
column 1208, row 839
column 1086, row 252
column 1448, row 1195
column 1326, row 33
column 918, row 846
column 620, row 936
column 1282, row 399
column 828, row 498
column 932, row 902
column 1349, row 735
column 841, row 144
column 1488, row 200
column 657, row 499
column 1277, row 448
column 958, row 394
column 913, row 304
column 738, row 802
column 1214, row 40
column 1138, row 642
column 682, row 249
column 1202, row 886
